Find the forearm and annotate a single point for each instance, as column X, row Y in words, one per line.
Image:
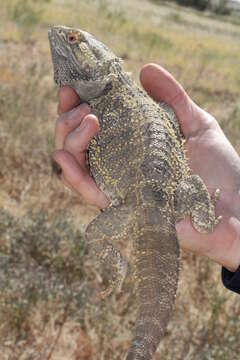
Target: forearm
column 226, row 251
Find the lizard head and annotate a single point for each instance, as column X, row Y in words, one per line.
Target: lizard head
column 81, row 61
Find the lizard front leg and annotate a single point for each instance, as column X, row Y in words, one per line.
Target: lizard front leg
column 192, row 198
column 110, row 226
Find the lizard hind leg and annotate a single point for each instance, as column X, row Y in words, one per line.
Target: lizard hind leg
column 111, row 256
column 109, row 226
column 192, row 198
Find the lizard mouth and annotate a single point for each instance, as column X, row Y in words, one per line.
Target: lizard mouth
column 57, row 55
column 66, row 68
column 54, row 43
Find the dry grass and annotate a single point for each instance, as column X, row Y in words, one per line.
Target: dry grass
column 48, row 304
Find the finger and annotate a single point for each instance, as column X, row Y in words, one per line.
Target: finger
column 210, row 244
column 77, row 141
column 66, row 183
column 68, row 99
column 162, row 86
column 189, row 238
column 67, row 122
column 80, row 180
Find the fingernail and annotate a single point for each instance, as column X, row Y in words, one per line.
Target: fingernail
column 84, row 124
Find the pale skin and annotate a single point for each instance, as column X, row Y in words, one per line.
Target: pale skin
column 209, row 153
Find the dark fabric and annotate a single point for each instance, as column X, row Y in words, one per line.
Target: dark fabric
column 231, row 280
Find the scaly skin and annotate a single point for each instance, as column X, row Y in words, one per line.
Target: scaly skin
column 138, row 160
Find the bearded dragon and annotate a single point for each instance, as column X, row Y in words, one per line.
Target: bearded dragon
column 137, row 159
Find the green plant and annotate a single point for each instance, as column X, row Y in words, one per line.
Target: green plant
column 221, row 8
column 39, row 261
column 175, row 17
column 26, row 12
column 198, row 4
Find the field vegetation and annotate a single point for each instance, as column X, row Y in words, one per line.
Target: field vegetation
column 48, row 284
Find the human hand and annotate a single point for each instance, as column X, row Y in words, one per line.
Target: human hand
column 75, row 127
column 212, row 157
column 209, row 152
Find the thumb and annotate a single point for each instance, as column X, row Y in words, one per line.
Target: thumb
column 189, row 239
column 196, row 242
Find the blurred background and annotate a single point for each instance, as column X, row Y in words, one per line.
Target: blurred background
column 48, row 285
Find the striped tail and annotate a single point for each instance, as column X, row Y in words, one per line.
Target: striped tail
column 157, row 267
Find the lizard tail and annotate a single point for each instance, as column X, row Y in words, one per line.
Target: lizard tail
column 157, row 266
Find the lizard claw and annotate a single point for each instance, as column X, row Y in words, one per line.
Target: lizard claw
column 116, row 282
column 107, row 292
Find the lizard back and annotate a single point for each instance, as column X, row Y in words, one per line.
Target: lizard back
column 138, row 160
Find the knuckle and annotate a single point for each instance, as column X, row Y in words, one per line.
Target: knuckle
column 63, row 124
column 64, row 180
column 74, row 143
column 210, row 120
column 69, row 144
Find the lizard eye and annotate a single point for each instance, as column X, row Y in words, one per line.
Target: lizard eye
column 72, row 38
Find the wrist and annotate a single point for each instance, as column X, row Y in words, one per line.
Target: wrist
column 230, row 267
column 227, row 251
column 222, row 246
column 228, row 262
